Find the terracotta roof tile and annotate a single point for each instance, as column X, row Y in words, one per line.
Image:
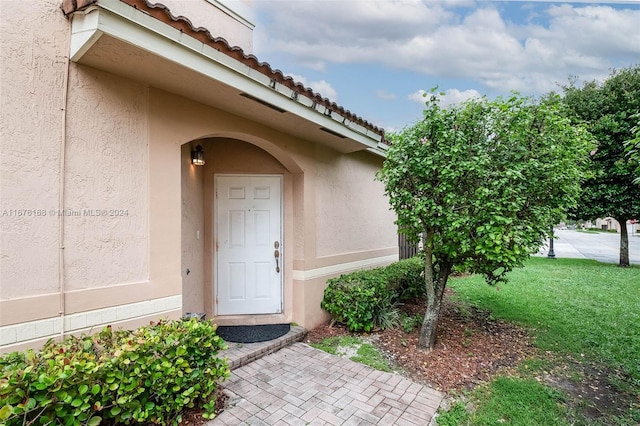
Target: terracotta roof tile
column 183, row 24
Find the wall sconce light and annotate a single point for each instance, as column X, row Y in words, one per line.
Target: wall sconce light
column 197, row 156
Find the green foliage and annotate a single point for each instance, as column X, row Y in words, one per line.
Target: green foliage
column 610, row 110
column 143, row 376
column 485, row 180
column 409, row 323
column 632, row 148
column 359, row 299
column 331, row 344
column 457, row 415
column 406, row 277
column 370, row 355
column 364, row 300
column 511, row 401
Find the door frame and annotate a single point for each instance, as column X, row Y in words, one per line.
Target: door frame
column 214, row 249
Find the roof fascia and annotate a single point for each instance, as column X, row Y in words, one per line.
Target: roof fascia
column 126, row 23
column 380, row 150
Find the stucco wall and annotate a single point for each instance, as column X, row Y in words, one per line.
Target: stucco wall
column 107, row 276
column 193, row 298
column 351, row 209
column 126, row 145
column 336, row 217
column 31, row 101
column 106, row 174
column 223, row 18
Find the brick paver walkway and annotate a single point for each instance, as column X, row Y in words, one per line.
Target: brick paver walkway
column 300, row 385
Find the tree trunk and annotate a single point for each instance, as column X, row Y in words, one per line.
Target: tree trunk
column 435, row 286
column 429, row 327
column 624, row 243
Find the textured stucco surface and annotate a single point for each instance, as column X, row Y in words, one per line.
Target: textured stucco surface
column 106, row 175
column 351, row 209
column 33, row 36
column 192, row 232
column 203, row 13
column 127, row 148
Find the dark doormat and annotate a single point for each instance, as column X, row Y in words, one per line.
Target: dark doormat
column 252, row 333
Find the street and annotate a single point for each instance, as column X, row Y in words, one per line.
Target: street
column 601, row 246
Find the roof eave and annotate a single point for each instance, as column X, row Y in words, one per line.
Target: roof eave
column 215, row 59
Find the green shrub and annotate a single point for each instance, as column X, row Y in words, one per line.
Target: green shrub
column 148, row 375
column 410, row 323
column 359, row 299
column 406, row 277
column 365, row 300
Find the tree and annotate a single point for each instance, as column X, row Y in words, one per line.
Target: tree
column 633, row 149
column 483, row 182
column 608, row 109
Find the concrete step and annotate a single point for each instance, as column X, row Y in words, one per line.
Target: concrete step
column 240, row 354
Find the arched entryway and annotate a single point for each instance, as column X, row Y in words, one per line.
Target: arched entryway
column 237, row 231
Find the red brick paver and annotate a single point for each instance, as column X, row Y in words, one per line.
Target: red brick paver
column 300, row 385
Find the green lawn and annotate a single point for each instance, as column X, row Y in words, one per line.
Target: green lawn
column 579, row 307
column 510, row 401
column 578, row 311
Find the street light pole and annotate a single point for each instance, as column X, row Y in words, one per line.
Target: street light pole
column 551, row 254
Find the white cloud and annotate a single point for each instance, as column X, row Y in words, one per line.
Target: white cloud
column 322, row 87
column 447, row 97
column 387, row 96
column 439, row 39
column 458, row 3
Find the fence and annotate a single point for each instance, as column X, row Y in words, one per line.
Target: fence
column 407, row 249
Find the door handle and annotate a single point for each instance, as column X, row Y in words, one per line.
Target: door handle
column 276, row 254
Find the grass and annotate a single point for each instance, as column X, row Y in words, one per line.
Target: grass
column 509, row 401
column 584, row 312
column 575, row 307
column 363, row 352
column 597, row 231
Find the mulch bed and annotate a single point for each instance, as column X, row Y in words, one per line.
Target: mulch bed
column 471, row 346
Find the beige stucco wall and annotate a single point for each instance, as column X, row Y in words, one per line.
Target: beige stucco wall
column 332, row 201
column 193, row 228
column 97, row 140
column 352, row 215
column 231, row 20
column 124, row 147
column 106, row 173
column 31, row 101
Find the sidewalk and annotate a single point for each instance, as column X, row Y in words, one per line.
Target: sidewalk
column 300, row 385
column 600, row 246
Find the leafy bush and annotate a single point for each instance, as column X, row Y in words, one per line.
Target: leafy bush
column 358, row 299
column 148, row 375
column 409, row 323
column 406, row 277
column 365, row 300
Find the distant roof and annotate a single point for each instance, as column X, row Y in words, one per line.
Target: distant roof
column 184, row 25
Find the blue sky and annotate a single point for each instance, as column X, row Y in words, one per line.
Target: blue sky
column 376, row 57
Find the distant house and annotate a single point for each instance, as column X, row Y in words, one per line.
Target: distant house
column 609, row 224
column 106, row 216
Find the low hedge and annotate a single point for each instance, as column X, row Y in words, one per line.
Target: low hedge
column 406, row 277
column 148, row 375
column 365, row 300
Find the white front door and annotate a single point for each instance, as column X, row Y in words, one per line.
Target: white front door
column 248, row 242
